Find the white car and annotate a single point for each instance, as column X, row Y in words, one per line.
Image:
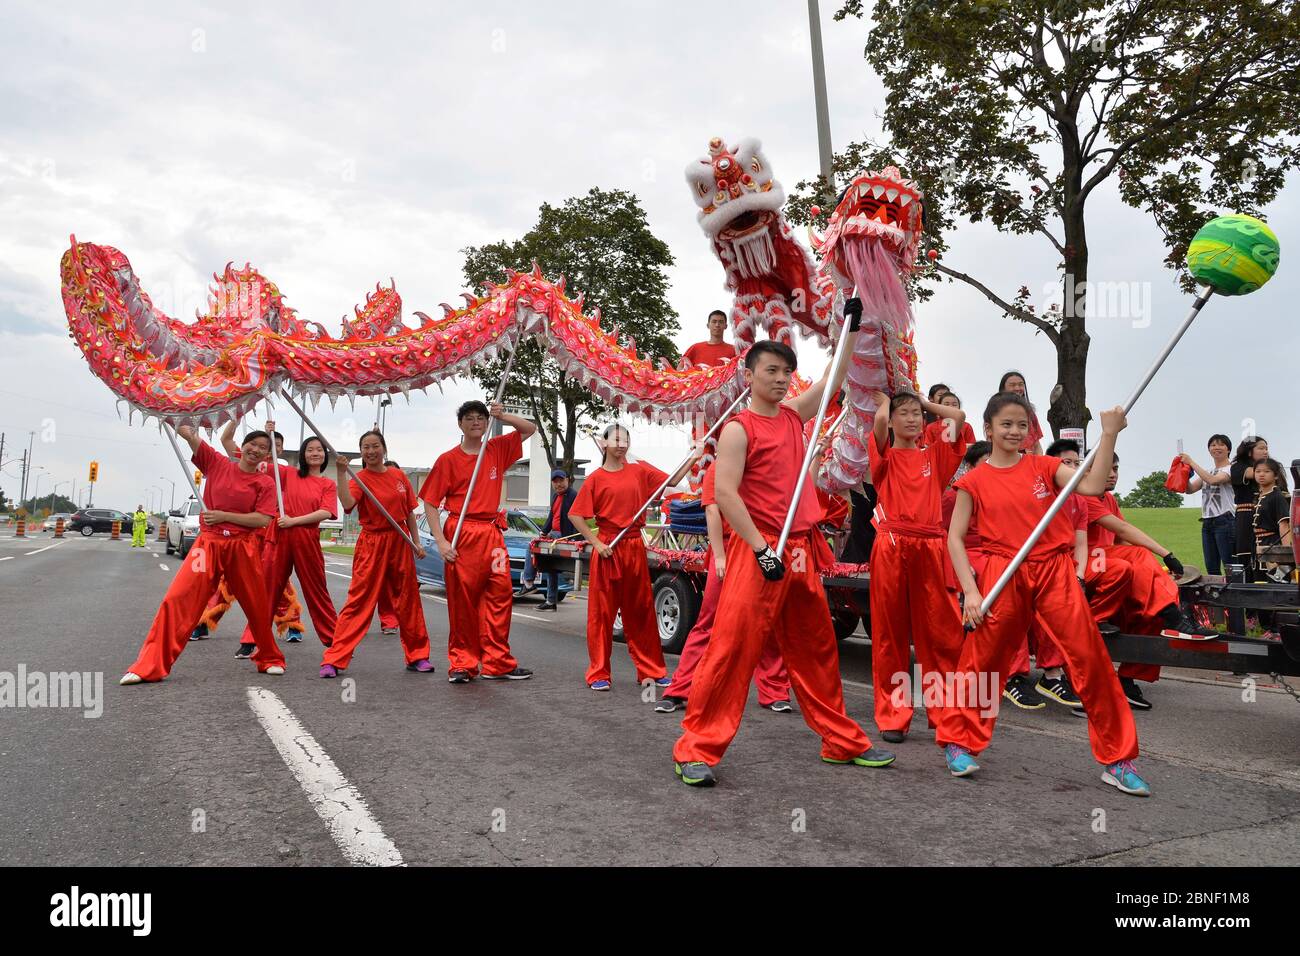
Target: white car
column 52, row 520
column 183, row 527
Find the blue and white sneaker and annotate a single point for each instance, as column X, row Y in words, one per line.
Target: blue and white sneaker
column 1124, row 776
column 599, row 685
column 665, row 681
column 293, row 637
column 960, row 762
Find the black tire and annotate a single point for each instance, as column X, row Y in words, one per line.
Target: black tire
column 676, row 605
column 87, row 530
column 185, row 548
column 845, row 622
column 170, row 549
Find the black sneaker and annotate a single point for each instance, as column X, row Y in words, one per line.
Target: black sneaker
column 780, row 707
column 1021, row 693
column 200, row 633
column 546, row 606
column 245, row 651
column 525, row 587
column 1180, row 625
column 1133, row 694
column 519, row 673
column 1058, row 689
column 667, row 705
column 458, row 677
column 1107, row 628
column 893, row 736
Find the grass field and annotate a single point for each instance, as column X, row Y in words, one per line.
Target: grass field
column 1178, row 529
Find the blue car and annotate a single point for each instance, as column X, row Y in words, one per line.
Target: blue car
column 520, row 530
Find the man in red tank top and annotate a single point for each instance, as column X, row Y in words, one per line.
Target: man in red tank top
column 760, row 453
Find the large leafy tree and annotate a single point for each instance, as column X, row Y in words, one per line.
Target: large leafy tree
column 1017, row 111
column 1150, row 492
column 602, row 244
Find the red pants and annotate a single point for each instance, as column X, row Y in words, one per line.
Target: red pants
column 1049, row 587
column 770, row 678
column 387, row 615
column 1107, row 585
column 751, row 611
column 621, row 582
column 480, row 599
column 1152, row 589
column 908, row 608
column 213, row 555
column 298, row 549
column 382, row 563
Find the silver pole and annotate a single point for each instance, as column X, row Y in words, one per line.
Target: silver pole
column 351, row 471
column 819, row 94
column 275, row 462
column 478, row 462
column 185, row 465
column 707, row 435
column 1073, row 483
column 831, row 375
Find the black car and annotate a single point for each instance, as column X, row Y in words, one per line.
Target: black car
column 89, row 520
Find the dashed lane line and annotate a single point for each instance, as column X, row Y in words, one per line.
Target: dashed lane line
column 351, row 824
column 46, row 548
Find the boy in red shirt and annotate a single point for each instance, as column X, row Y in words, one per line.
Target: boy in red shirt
column 479, row 593
column 760, row 454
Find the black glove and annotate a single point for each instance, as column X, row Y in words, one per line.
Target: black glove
column 769, row 563
column 853, row 313
column 1083, row 584
column 1174, row 565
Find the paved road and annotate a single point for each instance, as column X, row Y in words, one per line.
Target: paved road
column 545, row 771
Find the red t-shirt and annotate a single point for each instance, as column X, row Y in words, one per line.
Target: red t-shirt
column 302, row 496
column 910, row 483
column 973, row 540
column 772, row 462
column 1098, row 508
column 933, row 433
column 1009, row 502
column 615, row 498
column 227, row 488
column 709, row 496
column 705, row 353
column 392, row 488
column 446, row 485
column 1035, row 432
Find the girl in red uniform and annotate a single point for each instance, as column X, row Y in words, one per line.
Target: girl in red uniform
column 1015, row 382
column 238, row 501
column 907, row 608
column 1007, row 496
column 382, row 561
column 620, row 578
column 935, row 431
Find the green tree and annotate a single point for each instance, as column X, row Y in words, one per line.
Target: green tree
column 602, row 244
column 1150, row 492
column 1016, row 111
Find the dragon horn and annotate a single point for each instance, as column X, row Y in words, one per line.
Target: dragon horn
column 537, row 270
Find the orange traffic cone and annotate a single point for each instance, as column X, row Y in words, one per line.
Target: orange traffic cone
column 162, row 530
column 58, row 527
column 117, row 531
column 22, row 529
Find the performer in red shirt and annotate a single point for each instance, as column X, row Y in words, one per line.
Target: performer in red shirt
column 382, row 560
column 1151, row 605
column 1007, row 496
column 935, row 431
column 614, row 494
column 715, row 351
column 1015, row 382
column 238, row 502
column 908, row 559
column 760, row 455
column 479, row 593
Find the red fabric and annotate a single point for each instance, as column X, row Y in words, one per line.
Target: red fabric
column 910, row 483
column 227, row 488
column 1035, row 432
column 382, row 563
column 772, row 461
column 1151, row 589
column 908, row 609
column 298, row 549
column 1180, row 474
column 556, row 507
column 708, row 496
column 1047, row 586
column 1039, row 640
column 449, row 480
column 302, row 496
column 751, row 612
column 622, row 582
column 616, row 498
column 834, row 508
column 479, row 598
column 238, row 558
column 393, row 489
column 1009, row 502
column 933, row 434
column 1098, row 508
column 770, row 677
column 387, row 613
column 705, row 353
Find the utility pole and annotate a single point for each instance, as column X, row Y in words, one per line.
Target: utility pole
column 819, row 94
column 27, row 466
column 22, row 485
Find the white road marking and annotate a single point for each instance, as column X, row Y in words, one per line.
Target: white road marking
column 46, row 548
column 357, row 833
column 10, row 558
column 164, row 567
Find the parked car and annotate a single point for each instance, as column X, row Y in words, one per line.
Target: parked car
column 519, row 533
column 183, row 527
column 87, row 521
column 49, row 523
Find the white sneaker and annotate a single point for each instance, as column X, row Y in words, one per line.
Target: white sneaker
column 129, row 678
column 275, row 670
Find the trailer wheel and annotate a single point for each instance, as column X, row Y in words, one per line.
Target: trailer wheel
column 846, row 623
column 676, row 608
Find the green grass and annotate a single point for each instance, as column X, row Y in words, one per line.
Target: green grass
column 1178, row 529
column 338, row 548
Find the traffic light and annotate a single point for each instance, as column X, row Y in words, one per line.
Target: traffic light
column 198, row 477
column 94, row 472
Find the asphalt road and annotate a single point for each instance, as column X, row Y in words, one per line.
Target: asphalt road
column 545, row 771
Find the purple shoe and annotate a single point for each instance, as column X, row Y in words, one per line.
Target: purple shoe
column 421, row 667
column 329, row 670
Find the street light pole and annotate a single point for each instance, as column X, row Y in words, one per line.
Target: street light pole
column 819, row 95
column 173, row 484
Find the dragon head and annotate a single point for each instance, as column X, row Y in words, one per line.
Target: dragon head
column 733, row 187
column 880, row 208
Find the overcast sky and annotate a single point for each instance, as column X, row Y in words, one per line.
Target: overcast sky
column 335, row 145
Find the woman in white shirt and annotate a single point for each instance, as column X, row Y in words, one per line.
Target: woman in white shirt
column 1218, row 506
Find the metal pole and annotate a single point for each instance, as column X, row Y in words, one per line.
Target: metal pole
column 275, row 462
column 707, row 435
column 478, row 462
column 819, row 94
column 185, row 465
column 831, row 375
column 1064, row 494
column 351, row 471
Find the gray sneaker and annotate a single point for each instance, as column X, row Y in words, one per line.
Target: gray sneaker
column 695, row 774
